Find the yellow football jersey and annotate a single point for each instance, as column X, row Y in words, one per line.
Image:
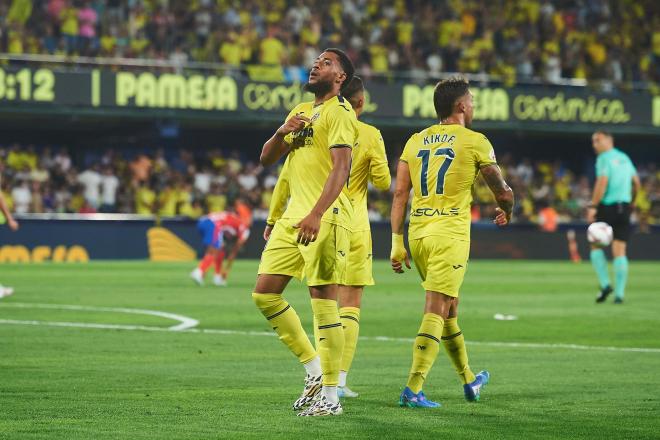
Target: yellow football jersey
column 369, row 163
column 444, row 161
column 333, row 124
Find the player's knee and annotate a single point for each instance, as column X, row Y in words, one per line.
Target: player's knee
column 618, row 248
column 350, row 296
column 328, row 291
column 264, row 301
column 438, row 303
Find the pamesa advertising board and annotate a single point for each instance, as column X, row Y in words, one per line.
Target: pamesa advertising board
column 147, row 94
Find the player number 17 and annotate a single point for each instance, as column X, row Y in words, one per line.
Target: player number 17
column 426, row 155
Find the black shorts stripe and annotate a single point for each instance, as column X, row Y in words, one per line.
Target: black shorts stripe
column 446, row 338
column 323, row 327
column 426, row 335
column 350, row 317
column 279, row 313
column 341, row 146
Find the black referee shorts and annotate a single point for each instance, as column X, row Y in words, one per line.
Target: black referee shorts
column 617, row 216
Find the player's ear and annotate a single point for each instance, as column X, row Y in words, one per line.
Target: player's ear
column 460, row 106
column 341, row 77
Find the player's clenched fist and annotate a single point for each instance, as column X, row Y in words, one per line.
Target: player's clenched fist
column 502, row 218
column 399, row 254
column 295, row 123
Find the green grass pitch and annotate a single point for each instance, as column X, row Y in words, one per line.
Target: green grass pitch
column 62, row 382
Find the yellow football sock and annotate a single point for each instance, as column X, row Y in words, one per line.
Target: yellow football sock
column 316, row 332
column 331, row 338
column 425, row 350
column 454, row 342
column 286, row 323
column 350, row 321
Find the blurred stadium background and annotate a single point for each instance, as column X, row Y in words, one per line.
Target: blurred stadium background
column 160, row 107
column 122, row 121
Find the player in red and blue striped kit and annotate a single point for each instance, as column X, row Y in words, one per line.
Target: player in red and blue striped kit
column 214, row 228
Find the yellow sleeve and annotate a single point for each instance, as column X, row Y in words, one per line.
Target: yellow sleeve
column 342, row 130
column 405, row 156
column 280, row 196
column 483, row 151
column 379, row 172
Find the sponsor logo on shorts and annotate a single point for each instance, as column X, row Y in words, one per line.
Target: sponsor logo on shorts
column 457, row 266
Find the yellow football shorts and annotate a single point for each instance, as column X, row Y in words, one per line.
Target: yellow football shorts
column 441, row 262
column 322, row 262
column 359, row 270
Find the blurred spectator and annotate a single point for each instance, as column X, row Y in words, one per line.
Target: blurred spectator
column 145, row 199
column 90, row 179
column 141, row 169
column 21, row 197
column 109, row 186
column 548, row 217
column 88, row 20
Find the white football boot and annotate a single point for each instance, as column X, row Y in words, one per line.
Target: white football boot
column 197, row 276
column 313, row 385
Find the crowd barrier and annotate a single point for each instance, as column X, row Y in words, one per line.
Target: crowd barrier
column 118, row 237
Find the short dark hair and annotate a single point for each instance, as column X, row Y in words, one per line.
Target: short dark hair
column 353, row 88
column 346, row 64
column 604, row 132
column 446, row 93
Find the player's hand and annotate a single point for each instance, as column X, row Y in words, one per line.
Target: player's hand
column 399, row 254
column 267, row 231
column 295, row 123
column 591, row 214
column 502, row 218
column 308, row 228
column 13, row 224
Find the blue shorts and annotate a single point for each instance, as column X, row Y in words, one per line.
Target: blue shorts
column 206, row 229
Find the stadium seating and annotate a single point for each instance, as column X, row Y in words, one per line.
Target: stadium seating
column 521, row 41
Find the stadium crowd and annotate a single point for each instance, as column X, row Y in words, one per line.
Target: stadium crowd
column 549, row 40
column 180, row 183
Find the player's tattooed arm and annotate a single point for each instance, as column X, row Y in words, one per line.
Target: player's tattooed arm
column 502, row 192
column 276, row 146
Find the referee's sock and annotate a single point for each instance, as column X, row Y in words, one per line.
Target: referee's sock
column 620, row 275
column 599, row 262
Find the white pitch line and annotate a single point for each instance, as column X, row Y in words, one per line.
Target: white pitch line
column 185, row 322
column 364, row 338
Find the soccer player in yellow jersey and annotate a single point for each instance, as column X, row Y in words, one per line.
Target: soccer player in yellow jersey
column 369, row 164
column 311, row 239
column 13, row 225
column 440, row 164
